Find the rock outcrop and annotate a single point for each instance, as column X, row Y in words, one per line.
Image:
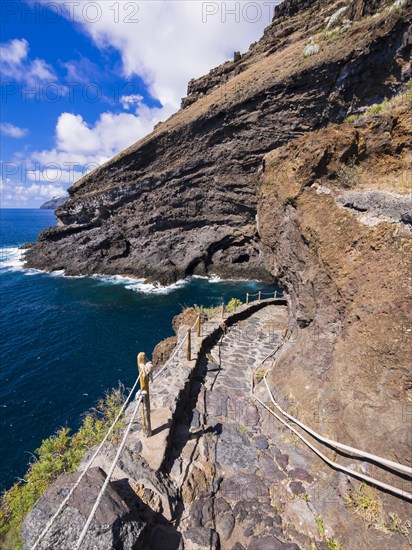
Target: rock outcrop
column 118, row 522
column 54, row 203
column 341, row 247
column 183, row 200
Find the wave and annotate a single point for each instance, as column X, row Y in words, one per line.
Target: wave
column 156, row 288
column 11, row 259
column 139, row 285
column 209, row 279
column 216, row 279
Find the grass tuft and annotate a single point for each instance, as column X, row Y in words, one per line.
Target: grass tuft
column 57, row 455
column 260, row 375
column 396, row 525
column 329, row 542
column 349, row 175
column 365, row 502
column 233, row 304
column 320, row 526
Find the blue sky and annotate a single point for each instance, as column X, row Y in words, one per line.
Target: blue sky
column 81, row 80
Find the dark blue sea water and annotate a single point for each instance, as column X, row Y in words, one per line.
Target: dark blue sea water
column 65, row 341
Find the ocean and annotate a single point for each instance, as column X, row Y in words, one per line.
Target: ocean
column 65, row 341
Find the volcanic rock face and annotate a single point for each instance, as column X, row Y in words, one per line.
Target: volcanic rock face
column 334, row 217
column 117, row 524
column 183, row 200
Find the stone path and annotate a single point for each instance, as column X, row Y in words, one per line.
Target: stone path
column 230, row 470
column 245, row 481
column 219, row 472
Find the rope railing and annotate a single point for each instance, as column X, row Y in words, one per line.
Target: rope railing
column 337, row 445
column 176, row 350
column 139, row 397
column 346, row 448
column 97, row 451
column 146, row 424
column 109, row 475
column 259, row 295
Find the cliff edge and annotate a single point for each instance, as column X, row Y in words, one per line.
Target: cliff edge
column 182, row 200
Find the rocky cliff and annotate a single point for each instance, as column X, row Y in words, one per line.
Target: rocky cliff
column 183, row 199
column 334, row 215
column 293, row 163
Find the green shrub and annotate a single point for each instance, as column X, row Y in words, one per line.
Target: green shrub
column 210, row 311
column 376, row 109
column 233, row 304
column 349, row 175
column 59, row 454
column 206, row 311
column 351, row 118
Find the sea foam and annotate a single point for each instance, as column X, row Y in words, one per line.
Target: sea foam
column 12, row 259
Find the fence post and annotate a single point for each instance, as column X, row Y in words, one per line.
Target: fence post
column 260, row 293
column 275, row 295
column 199, row 326
column 247, row 298
column 144, row 387
column 223, row 310
column 189, row 345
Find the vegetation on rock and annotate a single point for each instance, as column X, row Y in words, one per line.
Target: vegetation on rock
column 59, row 454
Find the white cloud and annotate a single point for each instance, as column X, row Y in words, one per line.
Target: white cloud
column 18, row 195
column 129, row 100
column 166, row 43
column 79, row 144
column 14, row 51
column 16, row 65
column 13, row 131
column 169, row 42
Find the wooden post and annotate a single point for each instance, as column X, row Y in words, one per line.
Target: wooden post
column 260, row 293
column 144, row 387
column 275, row 295
column 247, row 298
column 223, row 310
column 189, row 345
column 199, row 326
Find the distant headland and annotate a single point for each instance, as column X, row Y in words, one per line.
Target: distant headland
column 54, row 203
